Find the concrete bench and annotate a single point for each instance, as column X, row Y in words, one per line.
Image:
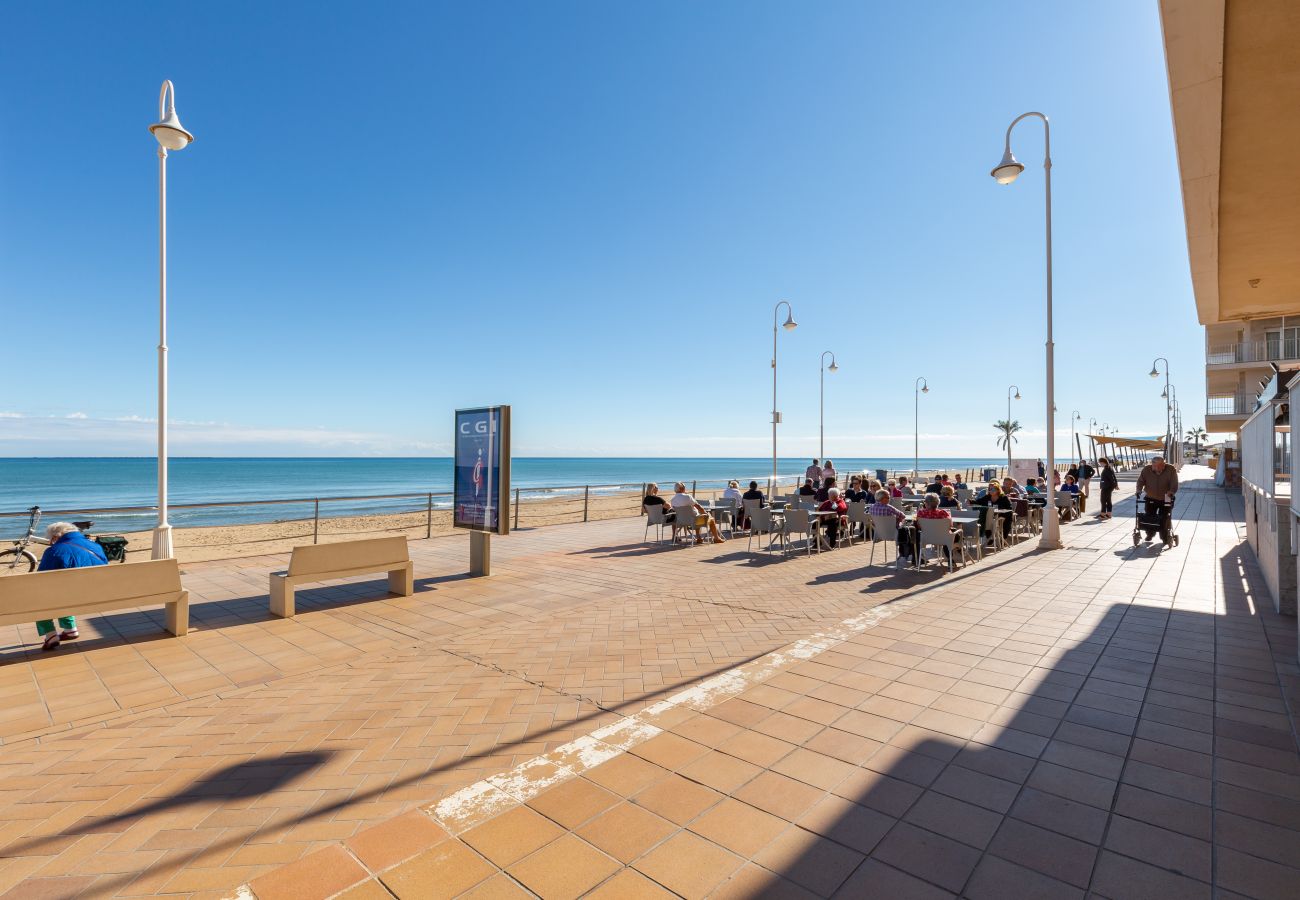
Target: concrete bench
column 95, row 589
column 325, row 562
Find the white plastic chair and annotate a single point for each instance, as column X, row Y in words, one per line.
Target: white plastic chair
column 760, row 522
column 883, row 529
column 938, row 533
column 963, row 496
column 655, row 517
column 684, row 521
column 798, row 521
column 858, row 516
column 751, row 507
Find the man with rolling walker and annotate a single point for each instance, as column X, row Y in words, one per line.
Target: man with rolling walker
column 1157, row 484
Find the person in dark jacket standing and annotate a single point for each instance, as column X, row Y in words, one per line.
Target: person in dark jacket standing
column 69, row 549
column 1109, row 483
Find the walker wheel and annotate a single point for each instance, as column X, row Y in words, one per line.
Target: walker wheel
column 1137, row 538
column 1175, row 540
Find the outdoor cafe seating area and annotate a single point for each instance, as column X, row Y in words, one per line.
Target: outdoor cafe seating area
column 795, row 525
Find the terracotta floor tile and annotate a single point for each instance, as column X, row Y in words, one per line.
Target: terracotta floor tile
column 366, row 890
column 759, row 749
column 1052, row 854
column 754, row 881
column 572, row 802
column 629, row 884
column 780, row 795
column 1122, row 878
column 317, row 875
column 511, row 836
column 875, row 879
column 738, row 827
column 677, row 799
column 626, row 831
column 720, row 771
column 447, row 870
column 670, row 750
column 814, row 768
column 626, row 775
column 498, row 887
column 924, row 854
column 854, row 826
column 956, row 819
column 688, row 865
column 809, row 860
column 395, row 840
column 568, row 867
column 997, row 879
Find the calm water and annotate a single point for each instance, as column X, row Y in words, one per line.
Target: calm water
column 99, row 483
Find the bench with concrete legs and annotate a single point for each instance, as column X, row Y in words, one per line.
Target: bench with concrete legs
column 96, row 589
column 326, row 562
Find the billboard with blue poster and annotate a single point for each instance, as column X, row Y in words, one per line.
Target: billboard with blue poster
column 481, row 497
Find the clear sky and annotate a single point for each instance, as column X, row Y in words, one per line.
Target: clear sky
column 586, row 210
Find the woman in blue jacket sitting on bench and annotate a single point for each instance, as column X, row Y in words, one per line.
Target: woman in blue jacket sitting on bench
column 69, row 549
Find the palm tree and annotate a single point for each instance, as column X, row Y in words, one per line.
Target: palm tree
column 1195, row 435
column 1008, row 429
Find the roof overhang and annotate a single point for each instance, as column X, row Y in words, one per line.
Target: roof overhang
column 1234, row 79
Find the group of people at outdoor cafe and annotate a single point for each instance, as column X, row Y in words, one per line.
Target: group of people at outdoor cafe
column 940, row 498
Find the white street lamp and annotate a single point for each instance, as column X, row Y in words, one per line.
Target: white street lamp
column 1074, row 417
column 1092, row 429
column 821, row 416
column 1006, row 172
column 921, row 386
column 1009, row 398
column 171, row 135
column 1154, row 373
column 790, row 325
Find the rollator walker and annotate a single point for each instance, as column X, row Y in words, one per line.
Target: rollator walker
column 1159, row 520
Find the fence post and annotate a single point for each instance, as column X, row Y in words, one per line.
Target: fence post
column 643, row 485
column 694, row 487
column 428, row 518
column 586, row 500
column 315, row 521
column 516, row 509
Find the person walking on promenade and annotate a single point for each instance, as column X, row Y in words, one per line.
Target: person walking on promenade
column 1160, row 482
column 1109, row 483
column 69, row 549
column 814, row 474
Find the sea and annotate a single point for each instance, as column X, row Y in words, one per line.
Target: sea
column 118, row 493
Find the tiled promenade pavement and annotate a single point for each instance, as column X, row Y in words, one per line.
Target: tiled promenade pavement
column 1099, row 720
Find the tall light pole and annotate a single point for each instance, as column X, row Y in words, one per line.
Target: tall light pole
column 1092, row 430
column 1006, row 172
column 1074, row 417
column 1154, row 373
column 790, row 325
column 821, row 416
column 170, row 136
column 921, row 386
column 1009, row 390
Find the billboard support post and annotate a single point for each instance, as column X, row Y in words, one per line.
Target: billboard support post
column 480, row 553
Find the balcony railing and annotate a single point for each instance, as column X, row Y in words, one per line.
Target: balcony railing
column 1265, row 351
column 1242, row 404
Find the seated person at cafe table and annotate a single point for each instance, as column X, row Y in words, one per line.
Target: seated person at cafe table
column 931, row 509
column 948, row 498
column 936, row 486
column 959, row 484
column 905, row 487
column 995, row 499
column 732, row 493
column 1071, row 487
column 882, row 507
column 1011, row 487
column 824, row 491
column 807, row 489
column 752, row 494
column 687, row 509
column 832, row 524
column 1031, row 486
column 855, row 492
column 652, row 498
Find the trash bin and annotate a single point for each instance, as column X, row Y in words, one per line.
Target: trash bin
column 988, row 473
column 114, row 546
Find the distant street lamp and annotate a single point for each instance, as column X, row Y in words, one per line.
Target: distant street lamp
column 1154, row 373
column 1006, row 172
column 789, row 325
column 821, row 417
column 921, row 386
column 1009, row 398
column 170, row 136
column 1074, row 417
column 1092, row 430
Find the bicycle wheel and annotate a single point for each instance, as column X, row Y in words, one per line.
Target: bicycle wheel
column 16, row 562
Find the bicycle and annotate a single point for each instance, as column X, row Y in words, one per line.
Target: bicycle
column 18, row 559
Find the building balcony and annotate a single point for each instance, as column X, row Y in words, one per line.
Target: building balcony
column 1239, row 405
column 1253, row 353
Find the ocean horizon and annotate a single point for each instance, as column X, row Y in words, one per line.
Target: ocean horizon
column 101, row 483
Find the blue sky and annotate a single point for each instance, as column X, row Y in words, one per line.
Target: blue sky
column 588, row 211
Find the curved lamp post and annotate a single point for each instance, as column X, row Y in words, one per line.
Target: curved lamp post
column 1092, row 429
column 1074, row 417
column 1006, row 172
column 1155, row 373
column 921, row 386
column 171, row 135
column 1009, row 398
column 790, row 325
column 821, row 415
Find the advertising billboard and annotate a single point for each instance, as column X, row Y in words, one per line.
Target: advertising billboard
column 481, row 494
column 1024, row 469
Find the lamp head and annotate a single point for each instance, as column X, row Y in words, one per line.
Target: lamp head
column 1017, row 395
column 833, row 367
column 1153, row 373
column 168, row 130
column 925, row 390
column 790, row 323
column 1009, row 169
